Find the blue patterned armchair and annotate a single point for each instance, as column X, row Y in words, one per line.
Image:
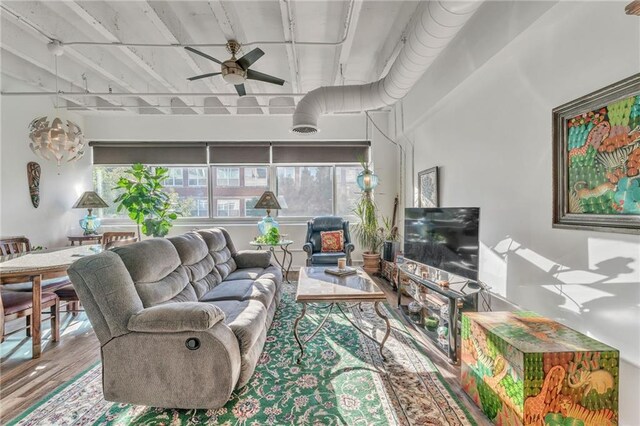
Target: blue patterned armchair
column 313, row 245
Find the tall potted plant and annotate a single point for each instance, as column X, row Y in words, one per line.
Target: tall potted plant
column 142, row 197
column 367, row 232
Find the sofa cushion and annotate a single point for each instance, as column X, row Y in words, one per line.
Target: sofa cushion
column 326, row 258
column 220, row 250
column 272, row 272
column 156, row 270
column 252, row 259
column 246, row 318
column 229, row 290
column 262, row 290
column 197, row 262
column 245, row 274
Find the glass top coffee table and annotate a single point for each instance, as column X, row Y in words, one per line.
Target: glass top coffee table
column 316, row 286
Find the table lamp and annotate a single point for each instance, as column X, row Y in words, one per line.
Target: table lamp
column 268, row 201
column 90, row 200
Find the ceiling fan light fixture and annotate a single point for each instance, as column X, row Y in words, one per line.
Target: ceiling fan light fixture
column 232, row 73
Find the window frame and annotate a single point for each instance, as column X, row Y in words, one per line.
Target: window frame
column 272, row 179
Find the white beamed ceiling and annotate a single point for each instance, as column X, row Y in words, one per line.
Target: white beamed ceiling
column 374, row 35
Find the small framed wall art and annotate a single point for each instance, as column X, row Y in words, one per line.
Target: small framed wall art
column 596, row 160
column 428, row 188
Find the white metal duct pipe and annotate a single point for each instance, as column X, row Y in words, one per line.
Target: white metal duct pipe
column 437, row 25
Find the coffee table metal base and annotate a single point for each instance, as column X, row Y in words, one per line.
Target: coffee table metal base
column 329, row 308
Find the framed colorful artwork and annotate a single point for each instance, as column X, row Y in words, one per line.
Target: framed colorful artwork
column 596, row 160
column 428, row 188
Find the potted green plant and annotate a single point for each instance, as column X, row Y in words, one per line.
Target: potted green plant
column 367, row 232
column 145, row 201
column 391, row 239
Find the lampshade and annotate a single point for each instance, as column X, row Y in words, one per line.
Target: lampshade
column 268, row 201
column 90, row 200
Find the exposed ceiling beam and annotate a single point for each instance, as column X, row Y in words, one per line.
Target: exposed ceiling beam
column 91, row 58
column 32, row 48
column 159, row 94
column 106, row 27
column 351, row 24
column 170, row 35
column 224, row 18
column 288, row 29
column 18, row 69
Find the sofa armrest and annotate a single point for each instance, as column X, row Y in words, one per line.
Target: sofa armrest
column 349, row 247
column 308, row 248
column 176, row 317
column 253, row 259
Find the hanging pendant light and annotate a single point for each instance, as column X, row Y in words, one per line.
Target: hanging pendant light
column 367, row 180
column 55, row 141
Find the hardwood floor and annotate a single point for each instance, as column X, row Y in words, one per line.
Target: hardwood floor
column 24, row 381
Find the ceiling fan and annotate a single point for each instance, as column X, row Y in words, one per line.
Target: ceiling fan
column 236, row 71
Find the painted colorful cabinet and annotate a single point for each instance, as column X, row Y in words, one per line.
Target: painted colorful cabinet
column 523, row 369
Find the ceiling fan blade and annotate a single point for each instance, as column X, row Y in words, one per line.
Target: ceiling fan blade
column 240, row 89
column 198, row 77
column 256, row 75
column 248, row 59
column 204, row 55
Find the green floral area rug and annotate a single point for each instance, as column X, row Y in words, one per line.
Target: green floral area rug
column 342, row 380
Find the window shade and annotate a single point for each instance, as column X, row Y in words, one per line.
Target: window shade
column 239, row 153
column 149, row 153
column 324, row 152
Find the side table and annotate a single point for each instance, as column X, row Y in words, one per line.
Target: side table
column 286, row 255
column 82, row 238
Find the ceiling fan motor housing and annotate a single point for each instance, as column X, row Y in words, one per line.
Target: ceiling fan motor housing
column 233, row 73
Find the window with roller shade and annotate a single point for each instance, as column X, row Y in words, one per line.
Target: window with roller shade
column 187, row 188
column 310, row 179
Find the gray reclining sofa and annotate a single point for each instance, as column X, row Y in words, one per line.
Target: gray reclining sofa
column 181, row 321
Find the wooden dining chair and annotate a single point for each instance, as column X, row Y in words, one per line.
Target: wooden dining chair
column 19, row 304
column 118, row 243
column 14, row 245
column 17, row 245
column 109, row 237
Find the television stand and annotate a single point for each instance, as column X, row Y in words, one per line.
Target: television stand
column 435, row 310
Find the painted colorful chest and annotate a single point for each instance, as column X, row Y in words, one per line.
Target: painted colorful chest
column 523, row 369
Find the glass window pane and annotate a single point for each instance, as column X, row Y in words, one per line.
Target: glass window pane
column 307, row 190
column 105, row 179
column 197, row 176
column 228, row 208
column 244, row 185
column 190, row 196
column 227, row 176
column 175, row 177
column 256, row 177
column 347, row 190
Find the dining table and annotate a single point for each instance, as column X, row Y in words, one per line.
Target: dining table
column 35, row 267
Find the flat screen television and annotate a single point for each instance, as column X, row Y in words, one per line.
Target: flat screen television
column 445, row 238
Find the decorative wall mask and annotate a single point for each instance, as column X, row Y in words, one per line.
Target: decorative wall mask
column 33, row 175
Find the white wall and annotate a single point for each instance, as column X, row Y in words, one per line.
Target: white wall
column 53, row 220
column 483, row 113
